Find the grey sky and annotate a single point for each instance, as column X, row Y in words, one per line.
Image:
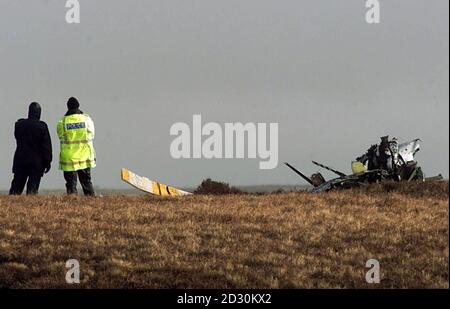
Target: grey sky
column 334, row 83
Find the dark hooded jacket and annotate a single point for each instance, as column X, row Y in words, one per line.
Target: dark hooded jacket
column 34, row 146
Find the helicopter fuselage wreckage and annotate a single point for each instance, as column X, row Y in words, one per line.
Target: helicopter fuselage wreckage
column 388, row 160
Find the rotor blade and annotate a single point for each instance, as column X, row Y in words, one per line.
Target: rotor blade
column 435, row 178
column 300, row 174
column 149, row 186
column 330, row 169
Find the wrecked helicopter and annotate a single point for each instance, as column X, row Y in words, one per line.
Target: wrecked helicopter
column 388, row 160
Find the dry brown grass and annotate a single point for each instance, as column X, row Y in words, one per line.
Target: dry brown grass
column 295, row 240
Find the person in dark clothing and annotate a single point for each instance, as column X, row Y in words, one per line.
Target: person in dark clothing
column 33, row 155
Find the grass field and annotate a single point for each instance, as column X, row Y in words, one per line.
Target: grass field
column 291, row 240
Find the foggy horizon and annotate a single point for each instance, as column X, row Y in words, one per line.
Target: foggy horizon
column 334, row 83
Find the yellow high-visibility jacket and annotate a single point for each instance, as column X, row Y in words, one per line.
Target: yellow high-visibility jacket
column 76, row 134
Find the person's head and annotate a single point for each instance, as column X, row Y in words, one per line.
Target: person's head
column 34, row 111
column 73, row 103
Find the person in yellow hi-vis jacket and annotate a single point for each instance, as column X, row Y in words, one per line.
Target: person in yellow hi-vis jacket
column 76, row 133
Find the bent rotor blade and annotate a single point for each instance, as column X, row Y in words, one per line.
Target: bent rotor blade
column 435, row 178
column 300, row 174
column 150, row 186
column 330, row 169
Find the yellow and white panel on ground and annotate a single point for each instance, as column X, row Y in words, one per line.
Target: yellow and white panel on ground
column 150, row 186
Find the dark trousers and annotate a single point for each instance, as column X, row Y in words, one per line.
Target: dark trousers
column 85, row 180
column 32, row 181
